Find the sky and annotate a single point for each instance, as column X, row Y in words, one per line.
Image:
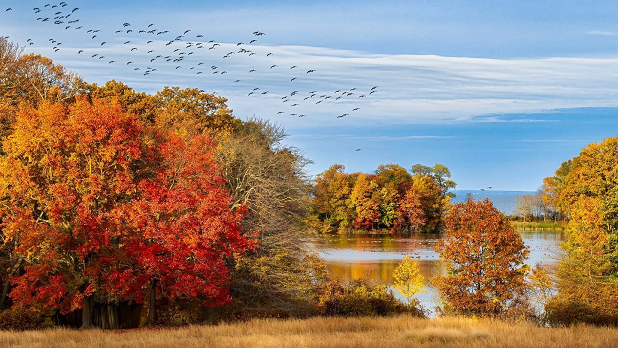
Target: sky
column 500, row 92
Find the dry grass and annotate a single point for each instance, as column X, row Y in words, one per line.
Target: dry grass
column 401, row 331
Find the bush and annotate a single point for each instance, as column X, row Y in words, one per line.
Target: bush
column 20, row 319
column 359, row 298
column 596, row 306
column 179, row 312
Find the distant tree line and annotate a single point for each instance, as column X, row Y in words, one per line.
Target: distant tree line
column 391, row 198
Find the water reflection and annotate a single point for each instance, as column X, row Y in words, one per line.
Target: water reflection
column 375, row 257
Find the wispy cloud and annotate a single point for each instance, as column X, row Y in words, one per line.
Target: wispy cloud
column 602, row 33
column 411, row 88
column 367, row 137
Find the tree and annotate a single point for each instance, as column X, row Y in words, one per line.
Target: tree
column 408, row 280
column 332, row 199
column 525, row 206
column 587, row 191
column 30, row 79
column 103, row 212
column 484, row 258
column 364, row 197
column 281, row 276
column 411, row 209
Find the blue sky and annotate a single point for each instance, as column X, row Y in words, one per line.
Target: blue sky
column 499, row 92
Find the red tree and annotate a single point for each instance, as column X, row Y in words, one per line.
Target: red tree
column 102, row 210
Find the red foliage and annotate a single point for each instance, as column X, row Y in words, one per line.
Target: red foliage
column 98, row 207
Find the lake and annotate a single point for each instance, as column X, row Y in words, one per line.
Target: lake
column 375, row 256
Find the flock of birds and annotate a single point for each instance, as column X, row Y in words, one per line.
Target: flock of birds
column 176, row 52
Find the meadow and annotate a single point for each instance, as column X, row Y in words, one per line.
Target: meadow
column 401, row 331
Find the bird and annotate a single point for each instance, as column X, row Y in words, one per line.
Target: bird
column 269, row 54
column 273, row 66
column 103, row 43
column 252, row 41
column 374, row 87
column 310, row 71
column 293, row 66
column 252, row 70
column 358, row 150
column 356, row 109
column 9, row 9
column 80, row 51
column 293, row 78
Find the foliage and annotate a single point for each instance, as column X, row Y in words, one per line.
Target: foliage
column 484, row 259
column 407, row 279
column 30, row 79
column 21, row 319
column 281, row 277
column 587, row 190
column 391, row 198
column 99, row 208
column 358, row 298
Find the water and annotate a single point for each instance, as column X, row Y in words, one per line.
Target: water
column 502, row 200
column 375, row 257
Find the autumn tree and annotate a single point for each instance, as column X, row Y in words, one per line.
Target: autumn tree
column 281, row 276
column 525, row 206
column 332, row 199
column 484, row 259
column 408, row 281
column 102, row 213
column 587, row 190
column 32, row 79
column 411, row 210
column 364, row 198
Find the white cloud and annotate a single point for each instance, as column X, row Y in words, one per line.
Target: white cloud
column 411, row 88
column 602, row 33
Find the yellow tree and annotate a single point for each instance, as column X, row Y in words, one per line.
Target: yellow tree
column 364, row 198
column 587, row 191
column 408, row 281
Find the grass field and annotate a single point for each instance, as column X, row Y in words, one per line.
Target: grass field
column 401, row 331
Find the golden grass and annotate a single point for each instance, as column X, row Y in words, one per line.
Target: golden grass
column 400, row 331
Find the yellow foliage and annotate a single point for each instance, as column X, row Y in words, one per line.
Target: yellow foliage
column 408, row 281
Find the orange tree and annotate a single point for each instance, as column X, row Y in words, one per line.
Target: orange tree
column 102, row 212
column 484, row 258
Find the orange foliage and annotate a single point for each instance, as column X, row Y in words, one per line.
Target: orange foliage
column 97, row 209
column 485, row 260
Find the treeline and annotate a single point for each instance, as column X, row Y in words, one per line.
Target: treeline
column 113, row 199
column 391, row 199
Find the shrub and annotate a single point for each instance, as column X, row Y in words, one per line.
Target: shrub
column 20, row 319
column 358, row 298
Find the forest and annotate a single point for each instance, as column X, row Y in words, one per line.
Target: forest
column 122, row 209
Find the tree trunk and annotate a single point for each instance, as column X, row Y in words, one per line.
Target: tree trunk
column 151, row 302
column 7, row 283
column 87, row 313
